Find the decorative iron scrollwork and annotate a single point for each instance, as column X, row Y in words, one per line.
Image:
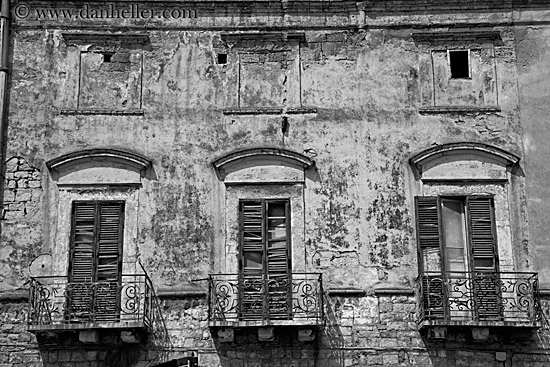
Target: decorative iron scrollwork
column 55, row 301
column 246, row 297
column 510, row 297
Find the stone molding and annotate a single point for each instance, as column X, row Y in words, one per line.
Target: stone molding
column 130, row 159
column 419, row 159
column 463, row 36
column 102, row 112
column 274, row 153
column 106, row 38
column 270, row 111
column 457, row 109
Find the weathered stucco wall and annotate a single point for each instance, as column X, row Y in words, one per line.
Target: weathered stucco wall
column 358, row 209
column 532, row 49
column 359, row 91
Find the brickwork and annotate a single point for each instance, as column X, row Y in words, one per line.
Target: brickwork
column 360, row 332
column 23, row 189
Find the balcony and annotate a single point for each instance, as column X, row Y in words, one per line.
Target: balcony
column 57, row 304
column 479, row 299
column 265, row 300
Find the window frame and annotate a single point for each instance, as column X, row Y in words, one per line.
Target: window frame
column 469, row 61
column 445, row 290
column 89, row 297
column 270, row 289
column 97, row 222
column 288, row 224
column 467, row 226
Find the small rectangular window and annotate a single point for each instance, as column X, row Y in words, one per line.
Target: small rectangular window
column 107, row 57
column 222, row 59
column 459, row 61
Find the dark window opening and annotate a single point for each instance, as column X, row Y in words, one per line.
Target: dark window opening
column 222, row 59
column 460, row 64
column 107, row 57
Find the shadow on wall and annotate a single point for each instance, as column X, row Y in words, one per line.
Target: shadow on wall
column 285, row 350
column 499, row 346
column 83, row 355
column 332, row 338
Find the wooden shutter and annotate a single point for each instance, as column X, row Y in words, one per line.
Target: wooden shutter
column 278, row 259
column 482, row 233
column 109, row 241
column 277, row 242
column 252, row 260
column 109, row 260
column 252, row 237
column 429, row 247
column 483, row 250
column 96, row 259
column 83, row 243
column 81, row 265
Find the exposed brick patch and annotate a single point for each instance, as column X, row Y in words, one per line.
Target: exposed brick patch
column 23, row 189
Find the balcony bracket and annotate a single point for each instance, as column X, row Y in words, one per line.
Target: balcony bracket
column 266, row 334
column 88, row 336
column 226, row 335
column 306, row 335
column 437, row 333
column 480, row 333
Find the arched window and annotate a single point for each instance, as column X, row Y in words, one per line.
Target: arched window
column 461, row 185
column 93, row 204
column 263, row 250
column 464, row 215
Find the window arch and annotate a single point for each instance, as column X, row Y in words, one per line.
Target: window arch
column 452, row 179
column 264, row 236
column 464, row 214
column 91, row 187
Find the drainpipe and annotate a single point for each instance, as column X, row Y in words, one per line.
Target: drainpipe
column 4, row 74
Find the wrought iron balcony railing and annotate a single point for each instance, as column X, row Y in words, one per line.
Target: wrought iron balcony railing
column 264, row 299
column 479, row 299
column 57, row 304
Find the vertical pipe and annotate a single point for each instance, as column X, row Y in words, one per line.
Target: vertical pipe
column 4, row 74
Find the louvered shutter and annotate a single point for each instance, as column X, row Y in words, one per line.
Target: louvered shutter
column 96, row 259
column 482, row 233
column 278, row 259
column 252, row 260
column 429, row 247
column 109, row 260
column 482, row 238
column 81, row 266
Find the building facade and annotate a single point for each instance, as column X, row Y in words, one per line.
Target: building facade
column 275, row 183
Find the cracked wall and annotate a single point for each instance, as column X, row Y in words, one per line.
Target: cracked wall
column 359, row 209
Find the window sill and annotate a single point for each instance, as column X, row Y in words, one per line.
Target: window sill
column 135, row 112
column 345, row 292
column 269, row 110
column 88, row 326
column 181, row 293
column 270, row 322
column 512, row 324
column 458, row 109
